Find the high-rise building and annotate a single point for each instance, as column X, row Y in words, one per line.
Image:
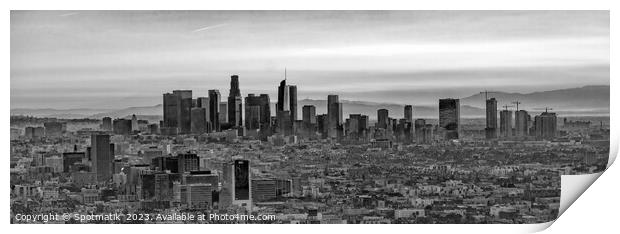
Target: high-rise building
column 491, row 119
column 409, row 113
column 545, row 125
column 214, row 111
column 172, row 103
column 235, row 104
column 106, row 124
column 184, row 110
column 419, row 125
column 382, row 118
column 177, row 110
column 505, row 123
column 224, row 115
column 283, row 103
column 334, row 115
column 449, row 117
column 203, row 102
column 286, row 107
column 322, row 122
column 521, row 123
column 199, row 121
column 102, row 155
column 134, row 123
column 236, row 186
column 257, row 112
column 292, row 93
column 308, row 113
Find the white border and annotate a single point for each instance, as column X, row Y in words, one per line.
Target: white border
column 587, row 214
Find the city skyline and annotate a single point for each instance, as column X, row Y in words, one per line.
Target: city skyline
column 412, row 54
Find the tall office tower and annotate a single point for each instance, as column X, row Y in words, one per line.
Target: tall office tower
column 505, row 123
column 106, row 124
column 257, row 112
column 283, row 103
column 172, row 103
column 521, row 126
column 203, row 102
column 102, row 155
column 224, row 115
column 409, row 113
column 188, row 162
column 292, row 93
column 308, row 113
column 382, row 118
column 134, row 123
column 199, row 120
column 184, row 110
column 236, row 186
column 449, row 117
column 285, row 106
column 234, row 103
column 419, row 125
column 214, row 111
column 322, row 122
column 491, row 117
column 357, row 126
column 545, row 125
column 334, row 115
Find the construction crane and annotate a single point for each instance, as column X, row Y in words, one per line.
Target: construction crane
column 517, row 103
column 506, row 107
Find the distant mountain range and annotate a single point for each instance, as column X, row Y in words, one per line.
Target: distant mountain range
column 588, row 100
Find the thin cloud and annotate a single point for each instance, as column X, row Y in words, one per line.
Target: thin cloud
column 209, row 27
column 69, row 14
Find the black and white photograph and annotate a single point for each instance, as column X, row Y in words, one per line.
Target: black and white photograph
column 304, row 116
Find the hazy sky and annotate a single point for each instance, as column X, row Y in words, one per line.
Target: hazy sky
column 116, row 59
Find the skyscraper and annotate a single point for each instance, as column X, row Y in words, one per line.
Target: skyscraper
column 214, row 113
column 309, row 114
column 334, row 115
column 235, row 104
column 521, row 126
column 382, row 118
column 203, row 102
column 545, row 125
column 236, row 186
column 224, row 116
column 491, row 118
column 184, row 110
column 257, row 111
column 283, row 103
column 409, row 113
column 292, row 93
column 505, row 123
column 171, row 104
column 286, row 105
column 102, row 155
column 449, row 117
column 199, row 121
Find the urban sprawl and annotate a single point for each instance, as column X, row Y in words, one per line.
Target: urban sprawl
column 232, row 157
